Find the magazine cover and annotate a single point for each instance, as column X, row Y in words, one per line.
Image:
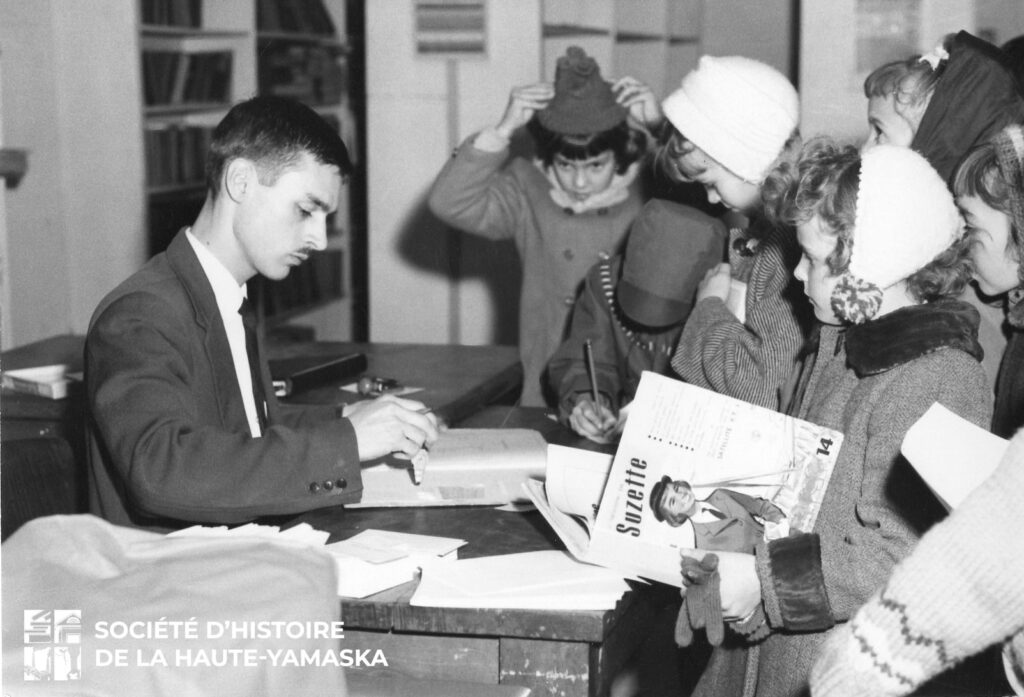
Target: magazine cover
column 733, row 466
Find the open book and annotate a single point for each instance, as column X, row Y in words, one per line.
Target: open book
column 465, row 467
column 603, row 511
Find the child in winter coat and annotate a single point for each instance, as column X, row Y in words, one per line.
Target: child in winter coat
column 989, row 187
column 942, row 105
column 734, row 120
column 567, row 209
column 632, row 310
column 883, row 261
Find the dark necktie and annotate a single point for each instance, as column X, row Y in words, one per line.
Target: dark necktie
column 253, row 352
column 714, row 512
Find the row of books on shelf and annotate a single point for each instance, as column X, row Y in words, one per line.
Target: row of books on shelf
column 298, row 16
column 172, row 13
column 318, row 280
column 176, row 155
column 177, row 77
column 307, row 72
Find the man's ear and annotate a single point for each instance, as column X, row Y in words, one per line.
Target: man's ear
column 239, row 178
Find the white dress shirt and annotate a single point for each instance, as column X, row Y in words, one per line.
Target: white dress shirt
column 229, row 297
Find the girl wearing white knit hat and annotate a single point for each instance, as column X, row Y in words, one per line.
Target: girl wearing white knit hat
column 883, row 261
column 734, row 121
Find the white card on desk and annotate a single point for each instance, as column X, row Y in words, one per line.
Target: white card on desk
column 377, row 546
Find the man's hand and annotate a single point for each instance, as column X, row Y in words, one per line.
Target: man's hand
column 391, row 424
column 523, row 102
column 716, row 283
column 594, row 422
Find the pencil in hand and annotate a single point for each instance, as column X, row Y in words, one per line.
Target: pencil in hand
column 588, row 356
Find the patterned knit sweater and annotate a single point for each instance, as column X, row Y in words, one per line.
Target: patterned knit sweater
column 960, row 591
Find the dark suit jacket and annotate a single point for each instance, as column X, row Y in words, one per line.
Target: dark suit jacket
column 169, row 443
column 738, row 531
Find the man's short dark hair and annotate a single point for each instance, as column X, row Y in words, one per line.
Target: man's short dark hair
column 274, row 133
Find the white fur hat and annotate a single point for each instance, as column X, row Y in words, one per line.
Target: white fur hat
column 738, row 110
column 905, row 218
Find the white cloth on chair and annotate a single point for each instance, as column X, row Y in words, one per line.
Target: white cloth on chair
column 259, row 609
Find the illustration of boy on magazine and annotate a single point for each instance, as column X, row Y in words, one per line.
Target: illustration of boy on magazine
column 721, row 447
column 724, row 521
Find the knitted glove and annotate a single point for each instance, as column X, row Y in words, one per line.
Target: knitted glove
column 702, row 601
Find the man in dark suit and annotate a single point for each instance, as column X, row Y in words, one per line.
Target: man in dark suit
column 724, row 521
column 184, row 427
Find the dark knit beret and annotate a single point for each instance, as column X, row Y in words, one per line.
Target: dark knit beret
column 583, row 101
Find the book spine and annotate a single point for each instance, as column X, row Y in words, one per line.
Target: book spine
column 28, row 386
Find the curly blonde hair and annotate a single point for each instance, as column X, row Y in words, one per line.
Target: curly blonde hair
column 825, row 183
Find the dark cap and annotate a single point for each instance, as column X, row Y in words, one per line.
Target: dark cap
column 583, row 101
column 974, row 99
column 656, row 491
column 669, row 249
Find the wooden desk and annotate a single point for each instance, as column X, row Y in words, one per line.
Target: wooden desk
column 30, row 416
column 457, row 381
column 571, row 653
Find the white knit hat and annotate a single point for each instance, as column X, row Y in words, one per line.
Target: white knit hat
column 905, row 218
column 738, row 110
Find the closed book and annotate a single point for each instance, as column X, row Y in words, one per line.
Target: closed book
column 49, row 381
column 295, row 375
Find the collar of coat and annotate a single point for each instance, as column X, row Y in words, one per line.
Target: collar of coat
column 911, row 332
column 617, row 191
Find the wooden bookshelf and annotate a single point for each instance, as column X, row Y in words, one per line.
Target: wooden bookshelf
column 197, row 58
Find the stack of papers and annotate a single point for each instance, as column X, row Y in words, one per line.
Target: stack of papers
column 368, row 563
column 529, row 580
column 375, row 560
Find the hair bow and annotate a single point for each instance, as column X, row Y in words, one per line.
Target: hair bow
column 937, row 55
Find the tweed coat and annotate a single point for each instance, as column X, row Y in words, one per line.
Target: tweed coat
column 876, row 507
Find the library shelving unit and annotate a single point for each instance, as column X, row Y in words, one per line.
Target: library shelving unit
column 657, row 41
column 200, row 56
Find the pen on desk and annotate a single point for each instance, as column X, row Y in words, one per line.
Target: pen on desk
column 588, row 356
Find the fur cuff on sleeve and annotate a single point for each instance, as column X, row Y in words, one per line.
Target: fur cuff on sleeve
column 798, row 583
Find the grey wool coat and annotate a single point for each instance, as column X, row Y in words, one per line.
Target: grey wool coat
column 486, row 194
column 871, row 382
